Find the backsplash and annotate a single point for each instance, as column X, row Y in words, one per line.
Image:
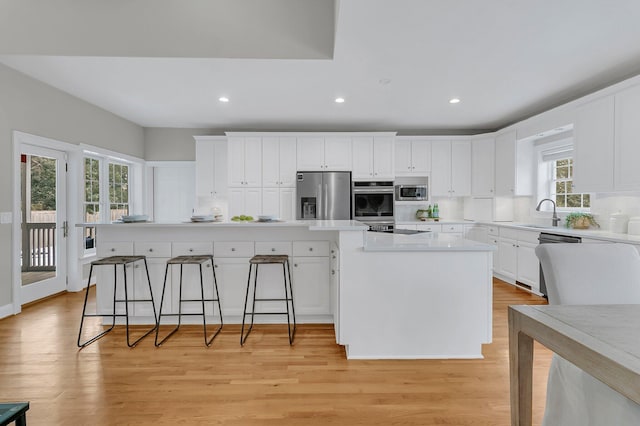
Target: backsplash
column 450, row 209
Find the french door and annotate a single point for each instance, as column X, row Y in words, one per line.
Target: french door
column 44, row 226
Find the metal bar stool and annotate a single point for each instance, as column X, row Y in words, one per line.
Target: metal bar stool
column 191, row 260
column 14, row 412
column 269, row 259
column 115, row 261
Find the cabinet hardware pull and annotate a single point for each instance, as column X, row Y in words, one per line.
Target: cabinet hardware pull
column 190, row 249
column 233, row 249
column 295, row 265
column 310, row 248
column 150, row 250
column 273, row 249
column 215, row 266
column 113, row 249
column 333, row 272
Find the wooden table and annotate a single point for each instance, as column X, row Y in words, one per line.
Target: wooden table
column 603, row 340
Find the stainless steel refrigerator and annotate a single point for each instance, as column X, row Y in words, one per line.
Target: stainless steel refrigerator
column 323, row 195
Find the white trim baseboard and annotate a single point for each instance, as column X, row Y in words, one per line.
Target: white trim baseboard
column 6, row 311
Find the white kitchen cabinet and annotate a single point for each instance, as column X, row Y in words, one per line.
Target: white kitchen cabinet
column 494, row 241
column 594, row 146
column 627, row 135
column 476, row 232
column 514, row 165
column 450, row 168
column 482, row 167
column 245, row 201
column 431, row 227
column 317, row 153
column 334, row 264
column 372, row 157
column 412, row 157
column 245, row 161
column 311, row 285
column 232, row 274
column 211, row 166
column 279, row 202
column 518, row 262
column 278, row 162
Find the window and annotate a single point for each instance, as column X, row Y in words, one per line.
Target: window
column 106, row 193
column 562, row 187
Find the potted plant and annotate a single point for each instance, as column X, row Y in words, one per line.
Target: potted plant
column 578, row 220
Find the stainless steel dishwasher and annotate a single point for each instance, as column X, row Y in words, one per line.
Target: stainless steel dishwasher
column 546, row 238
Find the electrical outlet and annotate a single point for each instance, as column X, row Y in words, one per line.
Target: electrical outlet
column 6, row 217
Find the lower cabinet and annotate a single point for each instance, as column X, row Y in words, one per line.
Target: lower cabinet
column 232, row 283
column 334, row 263
column 517, row 260
column 311, row 290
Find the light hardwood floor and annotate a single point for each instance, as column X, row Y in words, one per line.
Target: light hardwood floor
column 266, row 382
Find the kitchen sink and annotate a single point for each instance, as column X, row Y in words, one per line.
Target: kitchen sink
column 537, row 226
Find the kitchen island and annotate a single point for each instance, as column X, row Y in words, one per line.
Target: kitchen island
column 426, row 295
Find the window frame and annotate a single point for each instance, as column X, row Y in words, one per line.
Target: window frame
column 569, row 179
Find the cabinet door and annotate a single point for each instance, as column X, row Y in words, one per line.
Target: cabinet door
column 271, row 201
column 311, row 291
column 627, row 139
column 253, row 162
column 141, row 287
column 383, row 158
column 593, row 146
column 505, row 165
column 205, row 170
column 528, row 266
column 460, row 168
column 288, row 162
column 337, row 154
column 335, row 290
column 253, row 202
column 508, row 257
column 232, row 276
column 236, row 202
column 287, row 203
column 420, row 157
column 191, row 289
column 402, row 157
column 440, row 168
column 496, row 254
column 236, row 161
column 482, row 167
column 310, row 154
column 362, row 157
column 270, row 162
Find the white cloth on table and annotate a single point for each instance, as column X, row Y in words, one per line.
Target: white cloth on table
column 587, row 274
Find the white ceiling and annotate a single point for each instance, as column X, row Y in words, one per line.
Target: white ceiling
column 282, row 66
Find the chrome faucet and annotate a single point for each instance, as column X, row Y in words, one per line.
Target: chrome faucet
column 555, row 220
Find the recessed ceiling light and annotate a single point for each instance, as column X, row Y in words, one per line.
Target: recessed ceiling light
column 223, row 99
column 454, row 100
column 339, row 100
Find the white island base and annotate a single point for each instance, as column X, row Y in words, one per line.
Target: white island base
column 389, row 296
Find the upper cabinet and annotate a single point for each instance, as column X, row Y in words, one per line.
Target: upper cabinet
column 606, row 146
column 451, row 168
column 245, row 161
column 412, row 157
column 211, row 166
column 482, row 166
column 317, row 153
column 278, row 162
column 514, row 162
column 372, row 157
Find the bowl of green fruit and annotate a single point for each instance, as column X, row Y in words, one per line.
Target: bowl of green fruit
column 242, row 218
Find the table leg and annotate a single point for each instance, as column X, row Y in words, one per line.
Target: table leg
column 521, row 371
column 21, row 420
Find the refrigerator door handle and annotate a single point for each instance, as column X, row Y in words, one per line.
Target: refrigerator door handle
column 326, row 201
column 320, row 207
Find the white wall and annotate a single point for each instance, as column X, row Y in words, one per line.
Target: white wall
column 32, row 107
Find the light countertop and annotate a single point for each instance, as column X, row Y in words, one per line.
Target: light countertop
column 427, row 241
column 594, row 234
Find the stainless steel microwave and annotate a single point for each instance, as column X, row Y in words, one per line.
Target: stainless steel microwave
column 412, row 193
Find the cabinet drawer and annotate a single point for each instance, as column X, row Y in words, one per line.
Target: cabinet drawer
column 528, row 236
column 114, row 249
column 432, row 228
column 311, row 248
column 509, row 233
column 453, row 228
column 153, row 249
column 186, row 249
column 278, row 247
column 493, row 230
column 233, row 249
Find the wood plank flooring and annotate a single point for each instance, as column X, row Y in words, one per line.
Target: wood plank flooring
column 266, row 382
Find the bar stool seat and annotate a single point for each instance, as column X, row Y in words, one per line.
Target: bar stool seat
column 269, row 259
column 191, row 260
column 115, row 261
column 14, row 412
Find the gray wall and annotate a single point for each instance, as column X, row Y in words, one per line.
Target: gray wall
column 33, row 107
column 169, row 144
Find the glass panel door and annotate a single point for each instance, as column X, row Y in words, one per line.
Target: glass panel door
column 43, row 211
